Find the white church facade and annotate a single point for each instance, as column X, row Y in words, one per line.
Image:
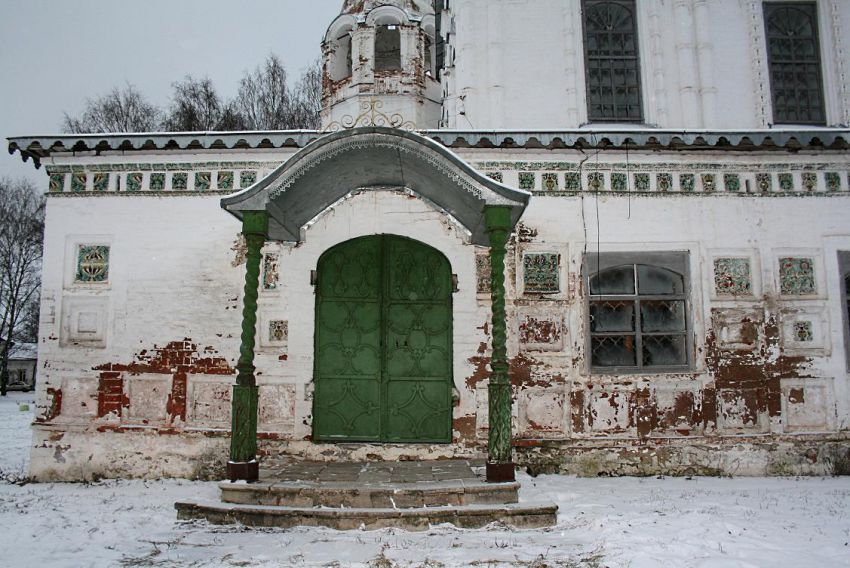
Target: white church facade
column 604, row 237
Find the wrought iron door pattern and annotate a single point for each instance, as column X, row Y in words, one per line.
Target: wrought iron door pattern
column 383, row 343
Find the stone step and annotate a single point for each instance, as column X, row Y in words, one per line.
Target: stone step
column 381, row 495
column 519, row 516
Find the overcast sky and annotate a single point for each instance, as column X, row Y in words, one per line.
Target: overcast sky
column 55, row 54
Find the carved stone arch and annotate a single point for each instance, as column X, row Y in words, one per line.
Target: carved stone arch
column 387, row 15
column 337, row 48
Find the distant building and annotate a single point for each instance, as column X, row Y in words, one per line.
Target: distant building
column 23, row 359
column 595, row 236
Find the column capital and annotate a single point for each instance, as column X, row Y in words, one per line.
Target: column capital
column 255, row 223
column 498, row 217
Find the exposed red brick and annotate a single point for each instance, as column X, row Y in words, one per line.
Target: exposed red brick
column 577, row 410
column 55, row 404
column 755, row 375
column 465, row 428
column 178, row 358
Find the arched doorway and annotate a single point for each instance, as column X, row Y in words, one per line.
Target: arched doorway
column 383, row 343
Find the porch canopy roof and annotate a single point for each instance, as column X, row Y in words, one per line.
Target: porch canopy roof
column 362, row 159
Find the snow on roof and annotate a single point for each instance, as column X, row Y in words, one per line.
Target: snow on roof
column 23, row 351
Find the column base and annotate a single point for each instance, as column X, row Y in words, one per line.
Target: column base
column 243, row 471
column 500, row 472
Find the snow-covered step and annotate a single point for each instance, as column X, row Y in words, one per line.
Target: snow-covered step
column 364, row 495
column 421, row 518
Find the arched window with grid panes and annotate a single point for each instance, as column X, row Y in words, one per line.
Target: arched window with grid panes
column 793, row 54
column 612, row 66
column 638, row 312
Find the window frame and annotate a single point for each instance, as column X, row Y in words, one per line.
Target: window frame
column 843, row 275
column 767, row 7
column 677, row 261
column 631, row 5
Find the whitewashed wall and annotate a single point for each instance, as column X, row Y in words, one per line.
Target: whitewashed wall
column 163, row 331
column 519, row 64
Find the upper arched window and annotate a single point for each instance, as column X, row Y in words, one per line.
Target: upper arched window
column 340, row 65
column 387, row 47
column 611, row 61
column 638, row 312
column 793, row 54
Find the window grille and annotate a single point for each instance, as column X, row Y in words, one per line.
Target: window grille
column 638, row 312
column 611, row 61
column 793, row 53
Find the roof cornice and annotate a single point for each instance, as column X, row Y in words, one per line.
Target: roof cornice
column 777, row 139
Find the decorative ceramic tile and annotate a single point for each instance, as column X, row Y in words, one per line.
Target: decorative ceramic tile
column 278, row 331
column 732, row 277
column 687, row 182
column 224, row 180
column 572, row 181
column 100, row 182
column 482, row 273
column 786, row 182
column 57, row 183
column 641, row 182
column 732, row 182
column 550, row 181
column 134, row 181
column 619, row 181
column 541, row 273
column 526, row 180
column 764, row 182
column 833, row 181
column 179, row 181
column 203, row 181
column 157, row 182
column 708, row 182
column 78, row 182
column 247, row 178
column 271, row 273
column 595, row 181
column 803, row 332
column 495, row 176
column 796, row 276
column 92, row 263
column 664, row 182
column 810, row 181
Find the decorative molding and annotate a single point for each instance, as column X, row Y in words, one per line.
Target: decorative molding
column 371, row 114
column 840, row 60
column 659, row 114
column 161, row 167
column 395, row 143
column 758, row 61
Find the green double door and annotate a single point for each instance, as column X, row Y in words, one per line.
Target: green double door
column 383, row 343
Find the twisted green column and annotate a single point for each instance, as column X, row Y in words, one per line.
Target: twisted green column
column 243, row 462
column 500, row 466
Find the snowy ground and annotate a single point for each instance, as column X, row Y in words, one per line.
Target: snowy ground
column 623, row 522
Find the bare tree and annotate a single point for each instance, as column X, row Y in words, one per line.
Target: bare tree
column 21, row 235
column 119, row 110
column 307, row 99
column 264, row 99
column 196, row 105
